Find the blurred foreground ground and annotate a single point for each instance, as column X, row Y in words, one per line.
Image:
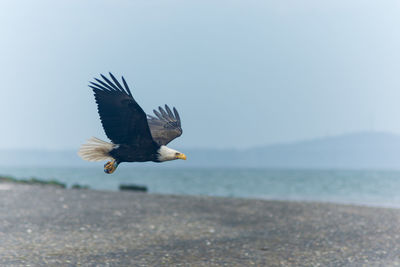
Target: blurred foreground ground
column 46, row 226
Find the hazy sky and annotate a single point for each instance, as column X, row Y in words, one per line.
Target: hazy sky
column 241, row 73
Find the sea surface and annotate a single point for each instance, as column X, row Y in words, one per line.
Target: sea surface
column 373, row 188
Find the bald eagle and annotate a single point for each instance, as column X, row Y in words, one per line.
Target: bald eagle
column 134, row 136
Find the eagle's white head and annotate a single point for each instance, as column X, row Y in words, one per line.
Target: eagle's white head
column 166, row 153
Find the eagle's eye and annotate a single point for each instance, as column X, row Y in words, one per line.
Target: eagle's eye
column 176, row 154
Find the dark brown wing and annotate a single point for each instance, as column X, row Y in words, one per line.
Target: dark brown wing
column 124, row 121
column 166, row 126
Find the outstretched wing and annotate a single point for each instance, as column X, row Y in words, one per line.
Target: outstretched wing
column 166, row 126
column 124, row 121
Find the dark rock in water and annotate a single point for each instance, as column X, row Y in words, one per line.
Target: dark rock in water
column 132, row 187
column 78, row 186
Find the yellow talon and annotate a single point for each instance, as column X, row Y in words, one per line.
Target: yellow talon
column 110, row 166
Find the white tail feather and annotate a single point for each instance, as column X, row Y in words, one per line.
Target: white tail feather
column 96, row 150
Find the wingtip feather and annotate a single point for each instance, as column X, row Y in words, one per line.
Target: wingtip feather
column 126, row 86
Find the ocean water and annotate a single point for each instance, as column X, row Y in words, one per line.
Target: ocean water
column 374, row 188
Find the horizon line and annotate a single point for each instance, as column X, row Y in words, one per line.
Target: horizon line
column 283, row 143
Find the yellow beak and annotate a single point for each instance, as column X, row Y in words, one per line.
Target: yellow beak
column 181, row 156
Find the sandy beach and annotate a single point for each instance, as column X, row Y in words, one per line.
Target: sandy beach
column 46, row 226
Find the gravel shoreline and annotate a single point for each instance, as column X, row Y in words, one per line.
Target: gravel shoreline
column 47, row 226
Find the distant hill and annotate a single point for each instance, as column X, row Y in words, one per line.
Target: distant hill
column 364, row 150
